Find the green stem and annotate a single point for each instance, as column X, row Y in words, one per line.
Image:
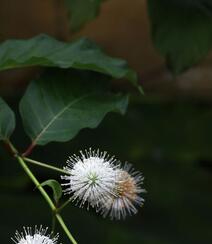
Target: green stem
column 36, row 182
column 45, row 165
column 12, row 150
column 63, row 225
column 46, row 197
column 63, row 205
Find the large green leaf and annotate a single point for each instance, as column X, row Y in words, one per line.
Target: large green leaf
column 181, row 30
column 82, row 11
column 43, row 50
column 7, row 120
column 57, row 107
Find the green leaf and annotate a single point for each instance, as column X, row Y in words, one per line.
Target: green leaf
column 82, row 11
column 181, row 30
column 56, row 187
column 46, row 51
column 7, row 120
column 57, row 107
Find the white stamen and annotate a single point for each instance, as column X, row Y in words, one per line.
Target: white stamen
column 92, row 177
column 39, row 236
column 127, row 194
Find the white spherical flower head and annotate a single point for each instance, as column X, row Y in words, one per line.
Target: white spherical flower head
column 38, row 237
column 127, row 194
column 92, row 177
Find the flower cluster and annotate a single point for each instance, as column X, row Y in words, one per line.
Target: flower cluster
column 99, row 180
column 38, row 236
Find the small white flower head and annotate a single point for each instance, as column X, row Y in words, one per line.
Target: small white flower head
column 127, row 194
column 92, row 177
column 38, row 236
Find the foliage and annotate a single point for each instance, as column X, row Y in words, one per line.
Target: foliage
column 57, row 111
column 74, row 93
column 43, row 50
column 181, row 30
column 56, row 188
column 82, row 11
column 7, row 120
column 60, row 102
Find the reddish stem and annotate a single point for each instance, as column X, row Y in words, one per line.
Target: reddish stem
column 29, row 150
column 8, row 148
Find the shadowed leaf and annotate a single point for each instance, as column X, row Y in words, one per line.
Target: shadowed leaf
column 46, row 51
column 56, row 188
column 181, row 30
column 82, row 11
column 57, row 107
column 7, row 120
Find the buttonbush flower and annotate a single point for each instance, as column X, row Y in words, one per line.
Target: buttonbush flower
column 98, row 179
column 92, row 177
column 39, row 236
column 126, row 194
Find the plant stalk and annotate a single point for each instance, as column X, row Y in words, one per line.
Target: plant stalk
column 63, row 205
column 29, row 149
column 10, row 148
column 45, row 165
column 46, row 197
column 63, row 225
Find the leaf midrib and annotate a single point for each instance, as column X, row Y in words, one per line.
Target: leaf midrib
column 34, row 141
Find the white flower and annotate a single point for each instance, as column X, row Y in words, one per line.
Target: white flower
column 126, row 194
column 92, row 177
column 96, row 178
column 38, row 237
